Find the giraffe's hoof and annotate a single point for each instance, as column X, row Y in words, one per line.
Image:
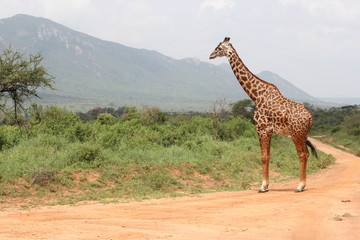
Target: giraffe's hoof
column 263, row 191
column 299, row 190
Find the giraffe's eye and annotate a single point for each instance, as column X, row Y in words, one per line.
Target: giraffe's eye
column 220, row 48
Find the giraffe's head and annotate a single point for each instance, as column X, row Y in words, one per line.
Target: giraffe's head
column 223, row 49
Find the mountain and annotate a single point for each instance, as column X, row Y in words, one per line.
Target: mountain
column 288, row 89
column 90, row 71
column 342, row 101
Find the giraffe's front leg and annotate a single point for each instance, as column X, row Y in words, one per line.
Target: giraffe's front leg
column 265, row 140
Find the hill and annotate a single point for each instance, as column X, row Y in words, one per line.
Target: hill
column 287, row 88
column 91, row 71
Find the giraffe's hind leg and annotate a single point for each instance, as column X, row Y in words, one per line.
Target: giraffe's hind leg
column 303, row 154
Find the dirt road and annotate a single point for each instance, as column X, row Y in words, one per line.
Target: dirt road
column 328, row 209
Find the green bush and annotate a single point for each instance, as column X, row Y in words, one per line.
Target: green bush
column 106, row 119
column 109, row 139
column 55, row 121
column 160, row 180
column 170, row 135
column 198, row 125
column 79, row 132
column 85, row 153
column 10, row 136
column 236, row 128
column 131, row 112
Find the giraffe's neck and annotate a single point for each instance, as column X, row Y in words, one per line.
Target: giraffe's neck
column 253, row 86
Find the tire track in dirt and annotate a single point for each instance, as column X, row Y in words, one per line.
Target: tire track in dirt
column 328, row 209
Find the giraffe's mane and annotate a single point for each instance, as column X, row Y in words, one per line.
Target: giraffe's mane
column 247, row 69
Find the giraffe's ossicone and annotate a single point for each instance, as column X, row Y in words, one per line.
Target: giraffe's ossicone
column 274, row 113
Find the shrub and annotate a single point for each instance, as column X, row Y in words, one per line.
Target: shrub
column 56, row 120
column 153, row 115
column 130, row 112
column 9, row 136
column 79, row 132
column 182, row 131
column 235, row 128
column 43, row 177
column 86, row 153
column 170, row 135
column 198, row 125
column 160, row 180
column 109, row 139
column 106, row 119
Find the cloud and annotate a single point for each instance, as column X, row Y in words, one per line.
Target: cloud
column 345, row 11
column 326, row 22
column 216, row 5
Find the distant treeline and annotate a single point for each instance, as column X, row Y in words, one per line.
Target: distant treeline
column 243, row 108
column 331, row 119
column 334, row 119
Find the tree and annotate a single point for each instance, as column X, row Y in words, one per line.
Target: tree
column 20, row 78
column 243, row 108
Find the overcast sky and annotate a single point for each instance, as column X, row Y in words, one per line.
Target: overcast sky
column 314, row 44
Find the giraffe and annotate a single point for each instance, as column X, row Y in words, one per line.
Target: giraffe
column 274, row 114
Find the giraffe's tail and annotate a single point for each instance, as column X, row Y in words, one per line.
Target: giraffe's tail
column 313, row 150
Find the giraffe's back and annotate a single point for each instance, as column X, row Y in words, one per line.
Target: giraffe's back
column 282, row 116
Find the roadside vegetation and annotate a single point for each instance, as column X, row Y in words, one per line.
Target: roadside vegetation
column 339, row 127
column 59, row 157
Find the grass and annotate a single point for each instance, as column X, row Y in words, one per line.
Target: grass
column 67, row 161
column 342, row 140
